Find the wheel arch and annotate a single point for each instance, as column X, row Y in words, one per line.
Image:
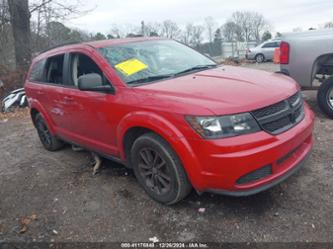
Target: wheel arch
column 135, row 125
column 36, row 108
column 33, row 113
column 259, row 53
column 323, row 64
column 138, row 123
column 128, row 139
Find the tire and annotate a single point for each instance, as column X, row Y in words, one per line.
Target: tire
column 260, row 58
column 159, row 170
column 325, row 97
column 49, row 141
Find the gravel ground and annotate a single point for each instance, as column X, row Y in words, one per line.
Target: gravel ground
column 47, row 196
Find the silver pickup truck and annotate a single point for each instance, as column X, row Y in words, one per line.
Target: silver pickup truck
column 308, row 56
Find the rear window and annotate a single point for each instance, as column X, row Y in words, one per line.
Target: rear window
column 49, row 70
column 37, row 71
column 54, row 69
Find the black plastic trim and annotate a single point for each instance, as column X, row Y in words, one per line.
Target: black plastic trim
column 107, row 156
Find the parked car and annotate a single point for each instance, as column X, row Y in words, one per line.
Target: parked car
column 263, row 52
column 307, row 56
column 172, row 115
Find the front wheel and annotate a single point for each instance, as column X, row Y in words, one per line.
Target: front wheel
column 260, row 58
column 325, row 97
column 158, row 169
column 49, row 141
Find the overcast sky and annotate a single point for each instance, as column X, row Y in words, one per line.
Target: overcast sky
column 284, row 15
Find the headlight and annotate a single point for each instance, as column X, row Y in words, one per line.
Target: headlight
column 224, row 126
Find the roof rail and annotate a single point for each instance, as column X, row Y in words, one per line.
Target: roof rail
column 59, row 45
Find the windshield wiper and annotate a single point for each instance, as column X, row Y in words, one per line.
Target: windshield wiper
column 165, row 76
column 195, row 68
column 150, row 78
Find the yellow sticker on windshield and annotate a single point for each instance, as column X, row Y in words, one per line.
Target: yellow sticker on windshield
column 131, row 66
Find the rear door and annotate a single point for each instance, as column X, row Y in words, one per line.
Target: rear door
column 45, row 82
column 89, row 117
column 268, row 49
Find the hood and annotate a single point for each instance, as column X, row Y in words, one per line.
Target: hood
column 222, row 90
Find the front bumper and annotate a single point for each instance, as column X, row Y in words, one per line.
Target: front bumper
column 223, row 162
column 250, row 56
column 253, row 191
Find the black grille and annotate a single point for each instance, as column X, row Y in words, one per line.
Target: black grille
column 295, row 98
column 277, row 124
column 281, row 116
column 255, row 175
column 271, row 110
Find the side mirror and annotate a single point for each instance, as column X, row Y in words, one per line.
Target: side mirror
column 93, row 82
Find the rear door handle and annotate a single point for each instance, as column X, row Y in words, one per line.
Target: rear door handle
column 39, row 92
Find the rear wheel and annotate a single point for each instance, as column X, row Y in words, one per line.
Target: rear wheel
column 260, row 58
column 49, row 141
column 325, row 97
column 158, row 169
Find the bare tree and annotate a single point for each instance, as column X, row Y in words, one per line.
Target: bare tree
column 259, row 24
column 20, row 21
column 197, row 35
column 125, row 30
column 232, row 31
column 187, row 34
column 4, row 13
column 193, row 35
column 153, row 29
column 5, row 34
column 36, row 15
column 211, row 25
column 243, row 20
column 170, row 29
column 115, row 31
column 46, row 11
column 252, row 25
column 58, row 9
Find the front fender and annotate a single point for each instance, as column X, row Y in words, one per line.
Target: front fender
column 167, row 131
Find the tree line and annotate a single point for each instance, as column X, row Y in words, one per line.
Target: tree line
column 24, row 27
column 29, row 26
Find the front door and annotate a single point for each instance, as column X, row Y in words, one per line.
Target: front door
column 88, row 119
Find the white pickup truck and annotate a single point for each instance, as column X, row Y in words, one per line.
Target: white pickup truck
column 307, row 56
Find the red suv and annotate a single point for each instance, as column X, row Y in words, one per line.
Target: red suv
column 171, row 114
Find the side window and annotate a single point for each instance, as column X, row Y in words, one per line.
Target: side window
column 54, row 69
column 82, row 64
column 37, row 71
column 271, row 45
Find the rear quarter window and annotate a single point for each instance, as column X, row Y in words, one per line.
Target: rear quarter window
column 37, row 71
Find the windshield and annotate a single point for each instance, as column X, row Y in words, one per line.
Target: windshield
column 144, row 62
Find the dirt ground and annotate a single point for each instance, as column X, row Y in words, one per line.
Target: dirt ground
column 52, row 196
